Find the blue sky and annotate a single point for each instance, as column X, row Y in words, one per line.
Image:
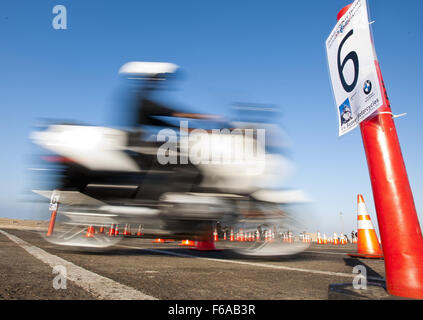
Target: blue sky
column 269, row 52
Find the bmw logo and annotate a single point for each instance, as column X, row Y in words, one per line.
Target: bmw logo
column 367, row 87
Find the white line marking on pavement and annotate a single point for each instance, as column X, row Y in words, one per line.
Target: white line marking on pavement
column 95, row 284
column 272, row 266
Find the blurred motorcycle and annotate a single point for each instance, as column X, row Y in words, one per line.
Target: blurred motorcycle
column 179, row 183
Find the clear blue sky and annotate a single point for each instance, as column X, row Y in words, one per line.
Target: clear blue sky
column 253, row 51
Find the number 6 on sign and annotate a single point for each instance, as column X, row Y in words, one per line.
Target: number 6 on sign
column 350, row 56
column 352, row 68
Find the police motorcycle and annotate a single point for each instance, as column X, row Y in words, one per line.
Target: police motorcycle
column 177, row 183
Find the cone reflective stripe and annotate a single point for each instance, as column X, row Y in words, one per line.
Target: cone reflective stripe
column 396, row 212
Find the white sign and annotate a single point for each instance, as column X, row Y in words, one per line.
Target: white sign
column 54, row 201
column 352, row 67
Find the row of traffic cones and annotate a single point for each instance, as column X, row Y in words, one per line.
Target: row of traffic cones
column 332, row 240
column 113, row 231
column 368, row 245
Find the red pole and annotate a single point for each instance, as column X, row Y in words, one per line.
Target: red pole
column 399, row 226
column 52, row 221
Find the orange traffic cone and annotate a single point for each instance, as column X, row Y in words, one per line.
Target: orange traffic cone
column 90, row 232
column 158, row 240
column 241, row 235
column 139, row 233
column 187, row 243
column 215, row 235
column 101, row 230
column 335, row 238
column 127, row 230
column 368, row 244
column 232, row 238
column 117, row 230
column 325, row 240
column 111, row 231
column 319, row 239
column 205, row 245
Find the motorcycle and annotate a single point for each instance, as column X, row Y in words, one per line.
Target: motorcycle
column 175, row 184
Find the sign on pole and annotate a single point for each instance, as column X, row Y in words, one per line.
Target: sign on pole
column 54, row 201
column 351, row 58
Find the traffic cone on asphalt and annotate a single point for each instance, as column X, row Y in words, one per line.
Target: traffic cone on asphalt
column 368, row 244
column 158, row 240
column 139, row 233
column 325, row 240
column 232, row 238
column 90, row 232
column 117, row 230
column 241, row 235
column 319, row 239
column 112, row 231
column 206, row 244
column 187, row 243
column 101, row 230
column 215, row 235
column 335, row 238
